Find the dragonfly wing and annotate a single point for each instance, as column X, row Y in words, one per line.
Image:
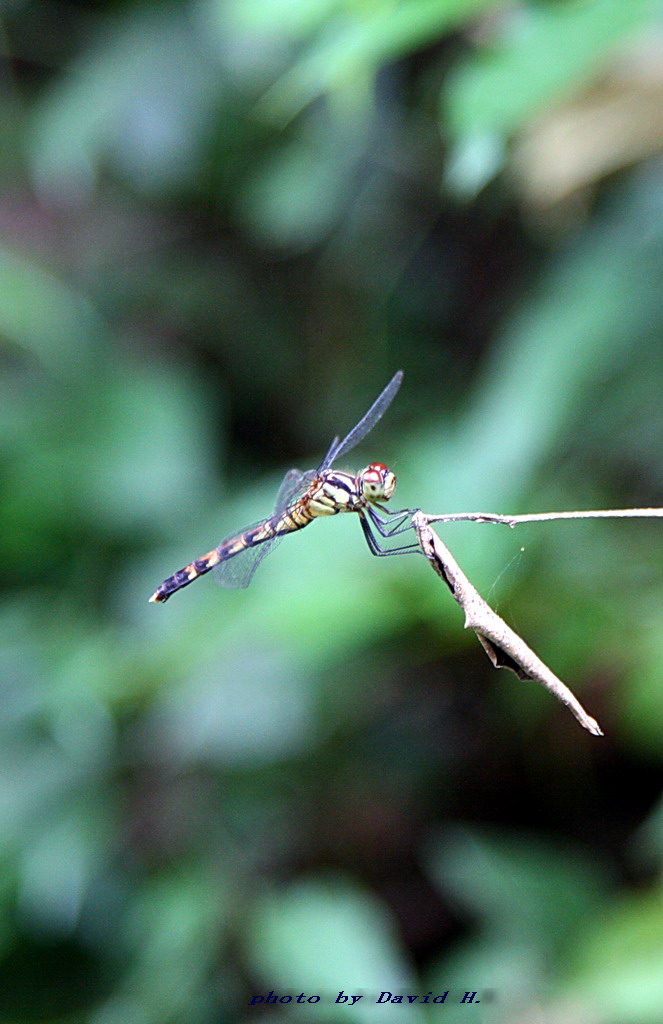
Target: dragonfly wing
column 366, row 423
column 293, row 485
column 329, row 457
column 238, row 571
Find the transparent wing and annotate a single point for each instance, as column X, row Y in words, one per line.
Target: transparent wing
column 293, row 485
column 237, row 572
column 366, row 423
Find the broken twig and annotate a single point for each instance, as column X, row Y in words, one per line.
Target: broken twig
column 502, row 645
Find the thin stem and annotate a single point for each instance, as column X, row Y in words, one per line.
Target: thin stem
column 540, row 517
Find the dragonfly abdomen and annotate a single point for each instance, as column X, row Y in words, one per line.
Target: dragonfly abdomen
column 187, row 575
column 293, row 519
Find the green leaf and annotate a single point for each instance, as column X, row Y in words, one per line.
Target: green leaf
column 618, row 961
column 545, row 53
column 139, row 96
column 44, row 317
column 522, row 890
column 324, row 935
column 358, row 42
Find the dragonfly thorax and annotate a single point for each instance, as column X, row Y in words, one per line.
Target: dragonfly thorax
column 334, row 491
column 376, row 482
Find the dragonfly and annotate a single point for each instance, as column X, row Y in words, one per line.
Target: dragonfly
column 303, row 497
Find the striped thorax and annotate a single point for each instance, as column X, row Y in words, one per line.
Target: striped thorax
column 334, row 492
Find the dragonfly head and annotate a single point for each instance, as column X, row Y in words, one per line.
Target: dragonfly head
column 377, row 482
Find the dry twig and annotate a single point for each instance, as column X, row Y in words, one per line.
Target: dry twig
column 502, row 645
column 541, row 517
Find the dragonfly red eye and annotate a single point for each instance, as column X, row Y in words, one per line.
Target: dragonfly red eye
column 377, row 482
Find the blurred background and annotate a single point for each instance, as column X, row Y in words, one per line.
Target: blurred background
column 224, row 225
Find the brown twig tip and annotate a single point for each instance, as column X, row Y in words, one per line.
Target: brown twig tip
column 594, row 726
column 502, row 645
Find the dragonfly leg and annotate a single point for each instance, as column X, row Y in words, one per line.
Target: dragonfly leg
column 393, row 511
column 374, row 545
column 403, row 521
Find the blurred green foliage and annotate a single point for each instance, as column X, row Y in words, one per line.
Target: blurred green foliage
column 224, row 225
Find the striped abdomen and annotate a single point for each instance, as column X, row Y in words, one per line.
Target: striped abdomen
column 295, row 518
column 327, row 495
